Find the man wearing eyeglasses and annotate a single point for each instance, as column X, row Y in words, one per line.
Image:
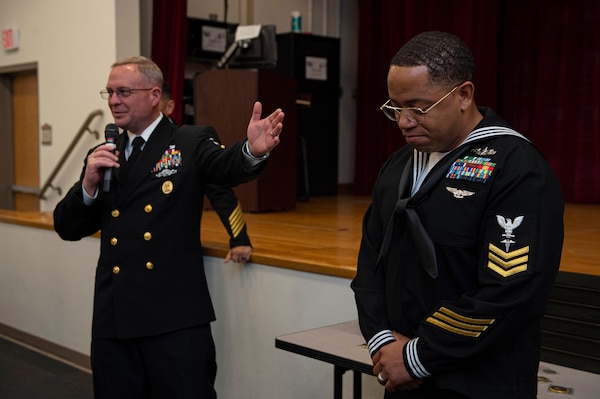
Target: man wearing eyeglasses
column 151, row 334
column 462, row 240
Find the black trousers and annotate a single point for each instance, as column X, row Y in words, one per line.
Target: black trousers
column 177, row 365
column 426, row 391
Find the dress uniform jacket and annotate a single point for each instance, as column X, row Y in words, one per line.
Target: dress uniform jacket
column 229, row 209
column 150, row 275
column 493, row 210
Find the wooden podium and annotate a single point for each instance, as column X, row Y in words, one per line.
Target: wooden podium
column 224, row 99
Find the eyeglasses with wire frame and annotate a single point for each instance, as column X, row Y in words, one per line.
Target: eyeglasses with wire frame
column 412, row 114
column 120, row 92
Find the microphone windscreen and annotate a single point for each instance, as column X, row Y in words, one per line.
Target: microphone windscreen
column 111, row 133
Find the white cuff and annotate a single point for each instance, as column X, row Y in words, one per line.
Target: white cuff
column 87, row 199
column 380, row 339
column 252, row 160
column 413, row 361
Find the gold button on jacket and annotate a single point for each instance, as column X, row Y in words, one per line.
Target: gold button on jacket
column 168, row 206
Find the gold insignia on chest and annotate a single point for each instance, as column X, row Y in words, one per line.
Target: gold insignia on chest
column 167, row 187
column 458, row 193
column 484, row 151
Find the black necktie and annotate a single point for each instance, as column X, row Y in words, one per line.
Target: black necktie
column 423, row 244
column 137, row 144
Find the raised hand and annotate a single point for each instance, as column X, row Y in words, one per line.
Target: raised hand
column 263, row 134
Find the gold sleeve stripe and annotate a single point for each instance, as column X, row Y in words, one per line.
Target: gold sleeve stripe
column 453, row 329
column 508, row 264
column 465, row 319
column 236, row 220
column 237, row 215
column 459, row 324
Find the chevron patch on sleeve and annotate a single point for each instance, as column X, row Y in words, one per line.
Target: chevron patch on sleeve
column 508, row 264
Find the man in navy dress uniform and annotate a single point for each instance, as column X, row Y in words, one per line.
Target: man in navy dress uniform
column 151, row 334
column 462, row 241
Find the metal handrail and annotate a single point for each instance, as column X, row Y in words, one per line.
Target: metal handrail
column 85, row 127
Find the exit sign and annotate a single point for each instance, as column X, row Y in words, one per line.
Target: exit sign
column 10, row 39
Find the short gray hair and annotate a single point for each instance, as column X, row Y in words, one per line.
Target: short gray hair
column 150, row 72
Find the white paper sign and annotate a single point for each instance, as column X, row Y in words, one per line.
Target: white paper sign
column 316, row 68
column 214, row 39
column 247, row 32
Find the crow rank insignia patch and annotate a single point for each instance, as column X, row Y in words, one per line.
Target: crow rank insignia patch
column 505, row 262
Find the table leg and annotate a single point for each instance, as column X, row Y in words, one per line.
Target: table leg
column 357, row 384
column 338, row 373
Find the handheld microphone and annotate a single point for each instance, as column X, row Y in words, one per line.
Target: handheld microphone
column 111, row 133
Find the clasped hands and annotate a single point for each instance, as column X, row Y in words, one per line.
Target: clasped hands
column 390, row 369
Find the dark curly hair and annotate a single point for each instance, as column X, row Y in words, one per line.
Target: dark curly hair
column 447, row 58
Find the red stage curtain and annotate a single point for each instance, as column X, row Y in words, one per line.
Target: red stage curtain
column 169, row 42
column 537, row 66
column 550, row 86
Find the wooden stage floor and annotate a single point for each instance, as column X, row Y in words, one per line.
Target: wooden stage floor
column 323, row 236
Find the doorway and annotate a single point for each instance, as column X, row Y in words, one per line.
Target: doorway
column 19, row 141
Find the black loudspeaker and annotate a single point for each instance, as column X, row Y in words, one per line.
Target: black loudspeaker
column 314, row 61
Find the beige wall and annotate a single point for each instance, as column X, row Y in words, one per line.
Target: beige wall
column 249, row 12
column 72, row 43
